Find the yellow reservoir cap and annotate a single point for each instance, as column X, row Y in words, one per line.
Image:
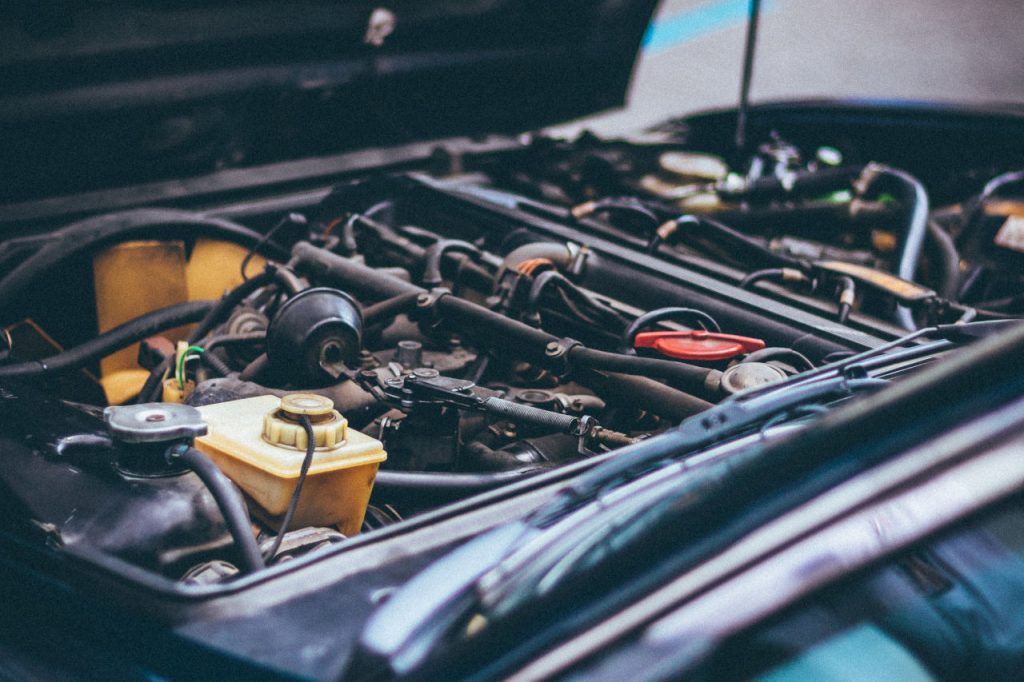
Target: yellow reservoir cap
column 339, row 482
column 283, row 427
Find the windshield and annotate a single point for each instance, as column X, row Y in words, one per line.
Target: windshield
column 936, row 50
column 948, row 610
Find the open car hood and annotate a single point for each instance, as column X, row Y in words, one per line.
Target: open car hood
column 99, row 94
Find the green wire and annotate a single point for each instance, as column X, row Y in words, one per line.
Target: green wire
column 184, row 358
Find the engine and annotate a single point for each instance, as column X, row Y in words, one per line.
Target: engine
column 276, row 376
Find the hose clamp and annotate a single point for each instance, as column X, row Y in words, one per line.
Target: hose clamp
column 556, row 355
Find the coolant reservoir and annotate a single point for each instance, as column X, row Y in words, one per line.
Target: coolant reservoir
column 259, row 443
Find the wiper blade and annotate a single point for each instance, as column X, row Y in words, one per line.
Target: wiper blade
column 960, row 332
column 417, row 615
column 725, row 420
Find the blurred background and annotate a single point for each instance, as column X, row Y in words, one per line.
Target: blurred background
column 950, row 50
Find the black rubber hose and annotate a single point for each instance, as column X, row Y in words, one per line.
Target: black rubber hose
column 913, row 195
column 215, row 316
column 498, row 330
column 388, row 309
column 231, row 505
column 972, row 207
column 435, row 253
column 365, row 281
column 557, row 253
column 386, row 237
column 232, row 339
column 443, row 485
column 255, row 368
column 948, row 260
column 110, row 228
column 117, row 338
column 229, row 302
column 647, row 394
column 660, row 314
column 354, row 277
column 690, row 377
column 808, row 216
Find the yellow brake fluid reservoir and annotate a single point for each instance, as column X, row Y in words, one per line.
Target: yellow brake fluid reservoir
column 260, row 444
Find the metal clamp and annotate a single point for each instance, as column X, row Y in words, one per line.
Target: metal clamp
column 428, row 387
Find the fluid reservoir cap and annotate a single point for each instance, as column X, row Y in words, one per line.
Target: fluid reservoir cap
column 697, row 345
column 309, row 404
column 283, row 427
column 154, row 422
column 748, row 375
column 693, row 165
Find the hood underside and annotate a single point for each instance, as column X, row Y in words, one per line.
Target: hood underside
column 99, row 94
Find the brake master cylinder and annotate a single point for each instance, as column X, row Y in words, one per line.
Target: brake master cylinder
column 260, row 444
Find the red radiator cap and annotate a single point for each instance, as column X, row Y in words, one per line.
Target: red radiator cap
column 697, row 345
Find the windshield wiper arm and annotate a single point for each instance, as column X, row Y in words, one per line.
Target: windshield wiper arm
column 727, row 419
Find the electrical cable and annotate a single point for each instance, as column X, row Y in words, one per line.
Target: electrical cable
column 574, row 295
column 307, row 426
column 182, row 359
column 847, row 296
column 290, row 219
column 758, row 275
column 215, row 316
column 704, row 320
column 615, row 205
column 772, row 353
column 783, row 274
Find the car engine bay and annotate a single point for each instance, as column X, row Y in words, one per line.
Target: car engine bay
column 408, row 339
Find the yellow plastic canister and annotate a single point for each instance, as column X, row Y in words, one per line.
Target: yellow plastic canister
column 339, row 481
